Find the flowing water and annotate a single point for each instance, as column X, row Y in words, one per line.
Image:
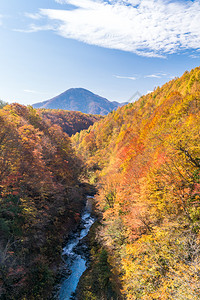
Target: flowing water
column 75, row 254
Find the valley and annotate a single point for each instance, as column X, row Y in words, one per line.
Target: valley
column 142, row 162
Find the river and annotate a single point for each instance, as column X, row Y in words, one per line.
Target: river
column 75, row 254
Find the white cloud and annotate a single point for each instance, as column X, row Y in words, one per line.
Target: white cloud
column 152, row 76
column 33, row 92
column 163, row 74
column 36, row 16
column 60, row 1
column 158, row 75
column 155, row 75
column 150, row 28
column 125, row 77
column 194, row 56
column 36, row 28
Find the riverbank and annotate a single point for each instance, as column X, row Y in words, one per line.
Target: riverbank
column 75, row 254
column 98, row 281
column 86, row 273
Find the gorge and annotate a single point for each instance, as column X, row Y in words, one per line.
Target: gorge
column 143, row 161
column 75, row 254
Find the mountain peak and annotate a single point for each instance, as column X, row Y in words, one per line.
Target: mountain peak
column 80, row 99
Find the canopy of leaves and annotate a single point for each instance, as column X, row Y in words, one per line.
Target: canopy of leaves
column 145, row 159
column 70, row 121
column 38, row 196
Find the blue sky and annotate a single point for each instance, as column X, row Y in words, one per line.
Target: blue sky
column 113, row 48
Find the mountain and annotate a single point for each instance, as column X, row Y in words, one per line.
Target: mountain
column 78, row 99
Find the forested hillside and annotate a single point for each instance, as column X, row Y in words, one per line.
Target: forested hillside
column 70, row 121
column 145, row 160
column 40, row 200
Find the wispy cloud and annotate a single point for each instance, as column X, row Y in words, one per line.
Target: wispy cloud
column 150, row 28
column 194, row 56
column 158, row 75
column 155, row 75
column 36, row 28
column 36, row 16
column 152, row 76
column 60, row 1
column 33, row 92
column 125, row 77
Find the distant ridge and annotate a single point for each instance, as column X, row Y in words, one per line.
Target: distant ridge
column 79, row 99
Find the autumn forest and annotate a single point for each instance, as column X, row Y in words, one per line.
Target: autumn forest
column 141, row 161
